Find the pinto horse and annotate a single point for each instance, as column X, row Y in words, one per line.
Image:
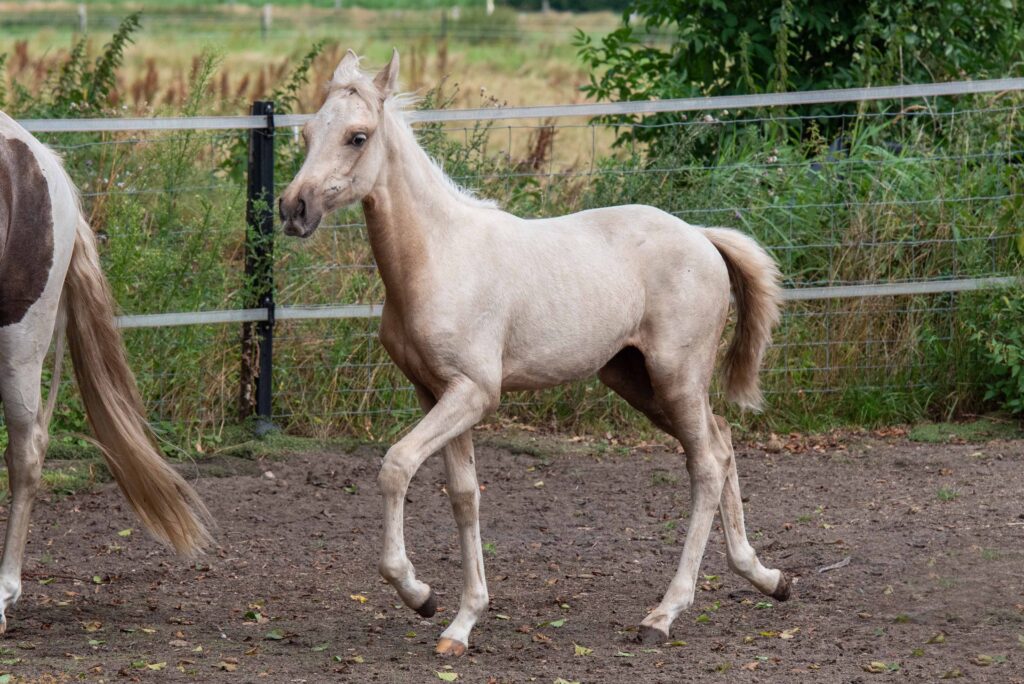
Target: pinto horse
column 479, row 302
column 50, row 282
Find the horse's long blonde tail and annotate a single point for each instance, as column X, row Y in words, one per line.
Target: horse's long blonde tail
column 166, row 504
column 755, row 285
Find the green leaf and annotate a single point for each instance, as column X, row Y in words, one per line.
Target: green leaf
column 319, row 647
column 274, row 635
column 447, row 676
column 581, row 650
column 125, row 533
column 625, row 654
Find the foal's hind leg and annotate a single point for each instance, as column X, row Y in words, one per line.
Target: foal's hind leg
column 690, row 415
column 26, row 445
column 740, row 554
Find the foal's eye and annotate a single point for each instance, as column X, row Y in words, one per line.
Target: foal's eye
column 358, row 139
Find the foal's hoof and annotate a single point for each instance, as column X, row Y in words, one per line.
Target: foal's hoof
column 429, row 606
column 783, row 589
column 651, row 636
column 449, row 647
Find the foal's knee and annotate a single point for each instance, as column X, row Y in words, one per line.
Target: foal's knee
column 393, row 478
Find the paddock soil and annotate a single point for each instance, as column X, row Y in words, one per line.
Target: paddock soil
column 581, row 540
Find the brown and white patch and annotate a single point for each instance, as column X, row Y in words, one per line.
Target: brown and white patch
column 26, row 230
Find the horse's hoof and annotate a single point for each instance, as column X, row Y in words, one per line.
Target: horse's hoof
column 429, row 607
column 651, row 636
column 783, row 589
column 449, row 647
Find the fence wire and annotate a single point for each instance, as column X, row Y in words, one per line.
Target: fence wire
column 889, row 196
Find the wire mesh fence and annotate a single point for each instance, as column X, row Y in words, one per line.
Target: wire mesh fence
column 898, row 194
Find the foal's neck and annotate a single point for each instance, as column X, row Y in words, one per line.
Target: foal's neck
column 410, row 208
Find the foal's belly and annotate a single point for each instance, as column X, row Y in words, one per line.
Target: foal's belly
column 553, row 342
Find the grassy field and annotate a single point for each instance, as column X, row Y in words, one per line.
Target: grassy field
column 518, row 59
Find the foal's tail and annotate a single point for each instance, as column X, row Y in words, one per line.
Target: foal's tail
column 166, row 504
column 755, row 285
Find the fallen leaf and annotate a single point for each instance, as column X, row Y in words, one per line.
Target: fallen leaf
column 226, row 666
column 983, row 660
column 447, row 676
column 677, row 643
column 875, row 666
column 581, row 650
column 789, row 633
column 92, row 626
column 955, row 673
column 274, row 635
column 319, row 647
column 752, row 665
column 125, row 533
column 938, row 638
column 358, row 659
column 625, row 654
column 559, row 680
column 358, row 597
column 156, row 666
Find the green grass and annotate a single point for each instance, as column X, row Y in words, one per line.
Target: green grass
column 976, row 431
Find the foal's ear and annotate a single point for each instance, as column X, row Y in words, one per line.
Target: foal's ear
column 387, row 80
column 348, row 68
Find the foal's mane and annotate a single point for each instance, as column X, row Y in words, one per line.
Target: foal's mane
column 393, row 113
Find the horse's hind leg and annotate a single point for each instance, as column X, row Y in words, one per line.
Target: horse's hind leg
column 26, row 445
column 687, row 408
column 740, row 554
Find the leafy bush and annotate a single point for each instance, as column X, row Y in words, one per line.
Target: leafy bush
column 996, row 329
column 749, row 46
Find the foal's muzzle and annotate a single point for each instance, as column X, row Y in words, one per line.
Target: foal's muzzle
column 299, row 217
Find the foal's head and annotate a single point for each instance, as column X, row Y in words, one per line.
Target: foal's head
column 343, row 154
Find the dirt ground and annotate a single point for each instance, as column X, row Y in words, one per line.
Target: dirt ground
column 581, row 540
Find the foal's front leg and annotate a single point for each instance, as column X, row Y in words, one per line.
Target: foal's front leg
column 464, row 493
column 461, row 406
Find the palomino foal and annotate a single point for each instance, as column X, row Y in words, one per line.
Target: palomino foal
column 480, row 302
column 50, row 279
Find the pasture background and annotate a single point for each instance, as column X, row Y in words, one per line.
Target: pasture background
column 883, row 193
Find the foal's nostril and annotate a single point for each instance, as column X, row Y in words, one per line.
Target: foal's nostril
column 300, row 210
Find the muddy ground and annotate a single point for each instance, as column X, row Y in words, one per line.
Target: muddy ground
column 581, row 540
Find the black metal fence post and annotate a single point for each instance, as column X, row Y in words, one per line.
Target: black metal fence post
column 258, row 351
